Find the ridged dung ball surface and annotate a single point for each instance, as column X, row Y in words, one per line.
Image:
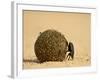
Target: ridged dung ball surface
column 51, row 45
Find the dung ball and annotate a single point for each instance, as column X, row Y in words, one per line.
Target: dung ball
column 50, row 45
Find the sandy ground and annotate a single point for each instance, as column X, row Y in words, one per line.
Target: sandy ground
column 77, row 62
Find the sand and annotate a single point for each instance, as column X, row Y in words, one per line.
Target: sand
column 79, row 61
column 74, row 26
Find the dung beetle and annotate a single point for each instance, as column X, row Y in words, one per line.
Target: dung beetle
column 70, row 51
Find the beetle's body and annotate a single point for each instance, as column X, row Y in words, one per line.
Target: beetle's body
column 70, row 51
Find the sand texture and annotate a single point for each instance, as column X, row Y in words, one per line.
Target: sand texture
column 80, row 61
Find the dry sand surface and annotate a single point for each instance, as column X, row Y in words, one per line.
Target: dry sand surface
column 74, row 26
column 77, row 62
